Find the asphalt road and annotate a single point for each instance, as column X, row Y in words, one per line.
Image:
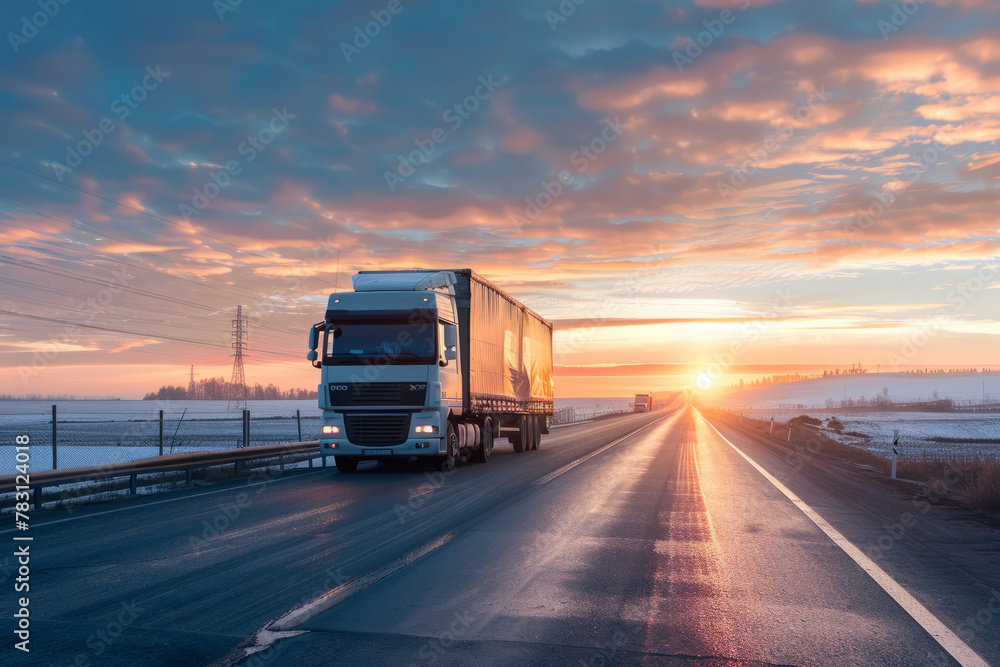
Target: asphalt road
column 666, row 547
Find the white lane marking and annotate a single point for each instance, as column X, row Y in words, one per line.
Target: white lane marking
column 303, row 613
column 569, row 466
column 948, row 640
column 169, row 500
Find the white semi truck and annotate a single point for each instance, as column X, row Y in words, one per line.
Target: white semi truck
column 429, row 363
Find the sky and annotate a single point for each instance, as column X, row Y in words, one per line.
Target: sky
column 686, row 189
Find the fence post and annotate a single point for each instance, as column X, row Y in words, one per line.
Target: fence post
column 246, row 428
column 298, row 420
column 789, row 433
column 54, row 459
column 161, row 432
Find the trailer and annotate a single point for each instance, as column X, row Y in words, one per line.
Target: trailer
column 430, row 364
column 643, row 403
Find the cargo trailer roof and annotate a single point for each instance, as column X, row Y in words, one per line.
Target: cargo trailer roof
column 473, row 276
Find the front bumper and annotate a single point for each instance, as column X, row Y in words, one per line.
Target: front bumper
column 424, row 446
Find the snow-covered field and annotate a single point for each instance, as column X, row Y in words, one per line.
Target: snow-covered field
column 98, row 433
column 940, row 434
column 903, row 387
column 935, row 433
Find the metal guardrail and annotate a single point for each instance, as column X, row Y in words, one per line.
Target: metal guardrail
column 155, row 464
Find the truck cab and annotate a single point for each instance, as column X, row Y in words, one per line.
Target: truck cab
column 428, row 363
column 390, row 375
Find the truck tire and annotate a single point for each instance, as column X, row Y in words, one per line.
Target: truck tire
column 450, row 459
column 346, row 463
column 482, row 455
column 522, row 439
column 536, row 432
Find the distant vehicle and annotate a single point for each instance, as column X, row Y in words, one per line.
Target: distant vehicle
column 429, row 363
column 643, row 403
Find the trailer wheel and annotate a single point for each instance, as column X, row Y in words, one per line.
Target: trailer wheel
column 450, row 459
column 536, row 432
column 346, row 463
column 522, row 439
column 482, row 455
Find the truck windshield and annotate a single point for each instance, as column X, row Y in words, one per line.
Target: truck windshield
column 383, row 342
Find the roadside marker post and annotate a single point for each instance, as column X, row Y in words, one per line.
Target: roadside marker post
column 895, row 454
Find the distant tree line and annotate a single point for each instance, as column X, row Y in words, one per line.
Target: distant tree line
column 217, row 389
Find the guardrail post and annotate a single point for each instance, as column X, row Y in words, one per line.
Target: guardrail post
column 54, row 460
column 38, row 497
column 187, row 476
column 789, row 433
column 281, row 462
column 131, row 483
column 298, row 420
column 246, row 428
column 161, row 432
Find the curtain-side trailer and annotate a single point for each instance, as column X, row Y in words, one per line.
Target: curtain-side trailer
column 429, row 363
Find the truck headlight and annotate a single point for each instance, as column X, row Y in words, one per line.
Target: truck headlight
column 331, row 429
column 425, row 429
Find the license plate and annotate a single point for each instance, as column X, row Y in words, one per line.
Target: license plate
column 378, row 452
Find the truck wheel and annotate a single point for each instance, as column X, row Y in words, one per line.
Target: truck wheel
column 536, row 432
column 449, row 460
column 482, row 455
column 346, row 463
column 521, row 440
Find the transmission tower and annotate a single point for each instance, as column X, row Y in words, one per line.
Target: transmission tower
column 238, row 391
column 192, row 387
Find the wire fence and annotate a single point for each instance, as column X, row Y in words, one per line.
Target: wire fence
column 99, row 439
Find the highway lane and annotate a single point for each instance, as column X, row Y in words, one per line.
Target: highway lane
column 669, row 548
column 183, row 577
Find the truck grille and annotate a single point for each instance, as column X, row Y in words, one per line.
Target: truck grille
column 377, row 430
column 378, row 393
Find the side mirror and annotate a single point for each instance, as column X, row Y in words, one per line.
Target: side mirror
column 450, row 336
column 314, row 335
column 450, row 354
column 312, row 356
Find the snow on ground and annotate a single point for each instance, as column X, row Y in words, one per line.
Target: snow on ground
column 938, row 434
column 903, row 387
